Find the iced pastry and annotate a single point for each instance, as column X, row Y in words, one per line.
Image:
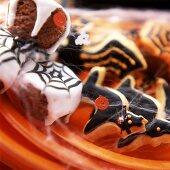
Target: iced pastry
column 47, row 90
column 13, row 54
column 44, row 22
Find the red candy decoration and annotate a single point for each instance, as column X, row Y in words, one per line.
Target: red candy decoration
column 120, row 121
column 59, row 19
column 102, row 103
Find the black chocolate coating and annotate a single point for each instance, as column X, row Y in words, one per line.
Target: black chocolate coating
column 167, row 105
column 112, row 113
column 139, row 104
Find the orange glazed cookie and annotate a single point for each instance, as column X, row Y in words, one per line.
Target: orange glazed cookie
column 154, row 41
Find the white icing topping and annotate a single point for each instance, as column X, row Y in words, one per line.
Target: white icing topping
column 8, row 70
column 60, row 102
column 44, row 10
column 11, row 12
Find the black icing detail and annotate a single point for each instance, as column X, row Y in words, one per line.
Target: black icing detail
column 151, row 128
column 49, row 71
column 124, row 142
column 137, row 120
column 100, row 117
column 75, row 62
column 116, row 55
column 7, row 55
column 93, row 78
column 92, row 91
column 167, row 104
column 70, row 55
column 139, row 103
column 112, row 113
column 20, row 48
column 8, row 60
column 74, row 85
column 157, row 35
column 126, row 83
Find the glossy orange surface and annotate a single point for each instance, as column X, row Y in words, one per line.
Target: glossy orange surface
column 24, row 146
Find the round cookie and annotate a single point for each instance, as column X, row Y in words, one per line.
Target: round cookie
column 44, row 22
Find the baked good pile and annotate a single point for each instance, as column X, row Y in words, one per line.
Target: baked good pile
column 82, row 86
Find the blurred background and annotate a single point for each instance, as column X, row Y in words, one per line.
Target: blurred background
column 101, row 4
column 98, row 4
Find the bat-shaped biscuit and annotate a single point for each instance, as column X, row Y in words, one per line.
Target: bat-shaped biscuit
column 157, row 128
column 111, row 106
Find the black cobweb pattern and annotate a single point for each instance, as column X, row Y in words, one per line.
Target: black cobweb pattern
column 55, row 75
column 23, row 49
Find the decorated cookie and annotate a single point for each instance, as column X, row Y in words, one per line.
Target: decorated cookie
column 44, row 22
column 115, row 52
column 157, row 128
column 111, row 107
column 145, row 82
column 140, row 103
column 154, row 41
column 155, row 38
column 47, row 90
column 157, row 132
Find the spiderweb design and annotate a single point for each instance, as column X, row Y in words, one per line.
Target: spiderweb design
column 23, row 49
column 6, row 43
column 56, row 75
column 8, row 60
column 6, row 38
column 158, row 36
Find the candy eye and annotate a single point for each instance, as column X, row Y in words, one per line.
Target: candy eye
column 102, row 103
column 59, row 18
column 129, row 122
column 158, row 129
